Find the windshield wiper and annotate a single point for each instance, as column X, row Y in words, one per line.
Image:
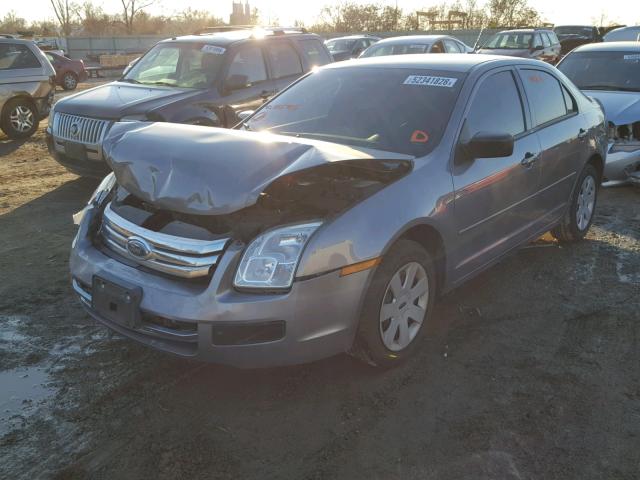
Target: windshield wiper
column 166, row 84
column 609, row 87
column 130, row 80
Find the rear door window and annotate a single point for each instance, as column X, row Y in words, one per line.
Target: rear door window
column 284, row 60
column 250, row 62
column 545, row 95
column 496, row 107
column 315, row 52
column 16, row 56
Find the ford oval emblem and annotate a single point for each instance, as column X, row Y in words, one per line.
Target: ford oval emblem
column 74, row 130
column 138, row 248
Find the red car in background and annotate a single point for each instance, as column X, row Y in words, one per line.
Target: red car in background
column 68, row 72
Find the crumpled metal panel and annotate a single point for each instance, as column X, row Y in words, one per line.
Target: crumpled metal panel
column 211, row 171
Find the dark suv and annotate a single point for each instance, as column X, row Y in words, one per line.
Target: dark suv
column 204, row 79
column 572, row 36
column 536, row 43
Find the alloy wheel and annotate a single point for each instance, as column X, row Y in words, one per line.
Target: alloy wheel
column 404, row 306
column 21, row 119
column 586, row 202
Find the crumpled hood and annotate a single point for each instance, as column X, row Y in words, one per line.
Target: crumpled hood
column 620, row 108
column 212, row 171
column 524, row 53
column 115, row 100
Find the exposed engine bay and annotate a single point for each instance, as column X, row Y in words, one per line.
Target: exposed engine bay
column 314, row 193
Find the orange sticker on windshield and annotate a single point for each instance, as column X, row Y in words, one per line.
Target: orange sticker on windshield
column 418, row 136
column 536, row 79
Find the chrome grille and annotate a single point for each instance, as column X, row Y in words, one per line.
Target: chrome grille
column 79, row 129
column 182, row 257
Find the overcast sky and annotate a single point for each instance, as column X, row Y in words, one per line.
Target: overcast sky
column 555, row 11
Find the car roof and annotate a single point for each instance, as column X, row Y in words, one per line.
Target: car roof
column 452, row 62
column 414, row 39
column 610, row 47
column 526, row 30
column 351, row 37
column 225, row 39
column 622, row 29
column 574, row 26
column 17, row 40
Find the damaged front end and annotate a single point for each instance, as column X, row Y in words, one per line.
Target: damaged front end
column 175, row 216
column 623, row 158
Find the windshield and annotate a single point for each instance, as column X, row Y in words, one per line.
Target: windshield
column 382, row 50
column 340, row 45
column 510, row 41
column 185, row 65
column 603, row 70
column 397, row 110
column 582, row 31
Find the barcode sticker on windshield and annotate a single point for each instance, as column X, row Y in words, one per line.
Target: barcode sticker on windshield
column 429, row 81
column 213, row 49
column 632, row 57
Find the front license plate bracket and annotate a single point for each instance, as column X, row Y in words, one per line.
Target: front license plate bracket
column 116, row 302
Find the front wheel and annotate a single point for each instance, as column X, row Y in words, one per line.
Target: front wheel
column 19, row 119
column 397, row 305
column 579, row 216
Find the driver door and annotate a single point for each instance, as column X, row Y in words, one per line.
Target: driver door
column 493, row 196
column 249, row 62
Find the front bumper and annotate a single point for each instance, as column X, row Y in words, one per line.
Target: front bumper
column 319, row 315
column 619, row 166
column 93, row 166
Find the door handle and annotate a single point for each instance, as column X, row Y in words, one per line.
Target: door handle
column 529, row 159
column 582, row 133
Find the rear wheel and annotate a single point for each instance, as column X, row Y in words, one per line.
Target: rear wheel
column 69, row 81
column 579, row 216
column 397, row 306
column 19, row 119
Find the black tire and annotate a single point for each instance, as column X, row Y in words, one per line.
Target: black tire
column 69, row 81
column 369, row 344
column 569, row 230
column 20, row 107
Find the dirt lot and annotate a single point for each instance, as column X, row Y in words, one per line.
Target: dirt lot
column 533, row 372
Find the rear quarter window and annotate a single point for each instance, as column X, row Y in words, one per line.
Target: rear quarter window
column 315, row 52
column 16, row 56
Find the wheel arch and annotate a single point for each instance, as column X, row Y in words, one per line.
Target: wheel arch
column 430, row 238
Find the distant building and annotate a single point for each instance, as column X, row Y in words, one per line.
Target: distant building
column 241, row 13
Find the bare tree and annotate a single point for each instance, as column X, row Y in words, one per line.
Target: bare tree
column 65, row 12
column 130, row 8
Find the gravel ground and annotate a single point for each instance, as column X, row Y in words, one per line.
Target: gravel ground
column 533, row 371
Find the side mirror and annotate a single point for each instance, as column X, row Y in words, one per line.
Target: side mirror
column 236, row 82
column 490, row 145
column 537, row 47
column 242, row 116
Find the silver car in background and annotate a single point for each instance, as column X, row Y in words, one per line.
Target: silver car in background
column 610, row 73
column 416, row 44
column 342, row 208
column 27, row 86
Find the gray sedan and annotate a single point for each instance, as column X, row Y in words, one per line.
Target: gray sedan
column 332, row 220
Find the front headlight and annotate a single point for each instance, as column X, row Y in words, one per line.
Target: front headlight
column 98, row 196
column 142, row 117
column 271, row 259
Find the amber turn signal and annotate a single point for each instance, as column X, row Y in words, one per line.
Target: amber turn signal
column 360, row 266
